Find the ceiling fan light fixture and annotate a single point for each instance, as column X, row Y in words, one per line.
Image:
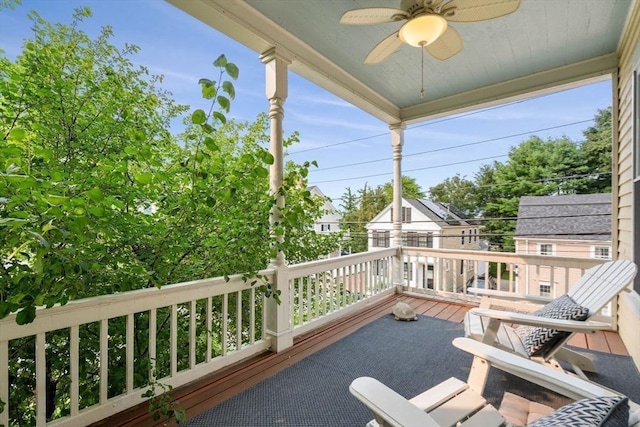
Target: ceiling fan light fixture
column 423, row 30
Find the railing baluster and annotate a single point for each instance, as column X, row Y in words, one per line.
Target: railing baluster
column 225, row 320
column 104, row 360
column 41, row 377
column 153, row 326
column 316, row 298
column 174, row 339
column 192, row 334
column 252, row 316
column 238, row 320
column 300, row 299
column 74, row 357
column 324, row 291
column 4, row 381
column 209, row 327
column 129, row 349
column 310, row 297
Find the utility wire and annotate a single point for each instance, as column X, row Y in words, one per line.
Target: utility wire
column 453, row 147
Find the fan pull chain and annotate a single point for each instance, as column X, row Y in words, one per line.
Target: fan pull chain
column 422, row 70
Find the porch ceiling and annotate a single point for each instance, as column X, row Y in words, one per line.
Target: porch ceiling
column 544, row 45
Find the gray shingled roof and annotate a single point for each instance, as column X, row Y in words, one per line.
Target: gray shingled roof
column 577, row 216
column 440, row 213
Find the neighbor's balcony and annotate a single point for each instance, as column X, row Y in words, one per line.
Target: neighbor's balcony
column 109, row 349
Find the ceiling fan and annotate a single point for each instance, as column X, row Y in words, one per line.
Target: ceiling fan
column 427, row 24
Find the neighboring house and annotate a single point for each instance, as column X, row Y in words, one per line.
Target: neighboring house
column 577, row 225
column 427, row 224
column 330, row 221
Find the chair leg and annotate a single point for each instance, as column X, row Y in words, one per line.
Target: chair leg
column 578, row 362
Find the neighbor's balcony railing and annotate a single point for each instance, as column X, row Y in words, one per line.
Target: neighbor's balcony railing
column 112, row 347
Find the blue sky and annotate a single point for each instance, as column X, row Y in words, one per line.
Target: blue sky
column 182, row 49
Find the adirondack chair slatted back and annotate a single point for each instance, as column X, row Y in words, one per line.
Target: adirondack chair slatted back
column 601, row 284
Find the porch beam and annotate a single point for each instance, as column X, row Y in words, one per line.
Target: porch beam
column 541, row 83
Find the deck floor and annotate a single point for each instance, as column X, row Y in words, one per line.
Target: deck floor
column 215, row 388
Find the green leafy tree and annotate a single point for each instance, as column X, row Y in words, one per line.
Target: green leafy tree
column 459, row 192
column 536, row 167
column 597, row 151
column 97, row 196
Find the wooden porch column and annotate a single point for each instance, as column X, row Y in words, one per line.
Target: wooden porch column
column 278, row 316
column 397, row 140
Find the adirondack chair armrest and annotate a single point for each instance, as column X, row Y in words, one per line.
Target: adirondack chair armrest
column 389, row 405
column 531, row 320
column 565, row 384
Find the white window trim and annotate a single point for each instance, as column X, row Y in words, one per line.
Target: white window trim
column 596, row 247
column 539, row 249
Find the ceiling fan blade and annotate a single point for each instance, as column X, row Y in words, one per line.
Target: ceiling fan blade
column 445, row 46
column 477, row 10
column 373, row 15
column 386, row 47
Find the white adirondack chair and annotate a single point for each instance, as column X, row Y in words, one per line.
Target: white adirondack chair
column 453, row 401
column 596, row 288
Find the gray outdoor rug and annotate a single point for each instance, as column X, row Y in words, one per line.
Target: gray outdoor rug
column 409, row 357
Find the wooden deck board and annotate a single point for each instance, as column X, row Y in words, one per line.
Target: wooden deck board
column 616, row 346
column 213, row 389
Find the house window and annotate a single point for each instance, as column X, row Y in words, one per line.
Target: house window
column 430, row 276
column 469, row 265
column 406, row 215
column 408, row 271
column 545, row 289
column 446, row 265
column 546, row 249
column 470, row 231
column 410, row 239
column 475, row 235
column 462, row 240
column 325, row 227
column 381, row 239
column 601, row 252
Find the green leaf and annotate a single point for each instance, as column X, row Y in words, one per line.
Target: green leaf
column 224, row 103
column 97, row 211
column 220, row 61
column 219, row 116
column 210, row 144
column 198, row 117
column 143, row 178
column 232, row 70
column 208, row 91
column 229, row 89
column 17, row 134
column 26, row 315
column 132, row 151
column 95, row 194
column 268, row 158
column 56, row 200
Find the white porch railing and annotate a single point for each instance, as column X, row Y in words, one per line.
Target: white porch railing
column 189, row 330
column 323, row 290
column 194, row 328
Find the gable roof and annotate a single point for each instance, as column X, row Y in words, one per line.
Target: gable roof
column 571, row 217
column 441, row 213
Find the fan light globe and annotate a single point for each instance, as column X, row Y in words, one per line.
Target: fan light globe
column 423, row 30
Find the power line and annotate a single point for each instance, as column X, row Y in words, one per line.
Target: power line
column 453, row 147
column 408, row 170
column 558, row 178
column 446, row 119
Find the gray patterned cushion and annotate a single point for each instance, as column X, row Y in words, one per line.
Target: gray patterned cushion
column 537, row 340
column 612, row 411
